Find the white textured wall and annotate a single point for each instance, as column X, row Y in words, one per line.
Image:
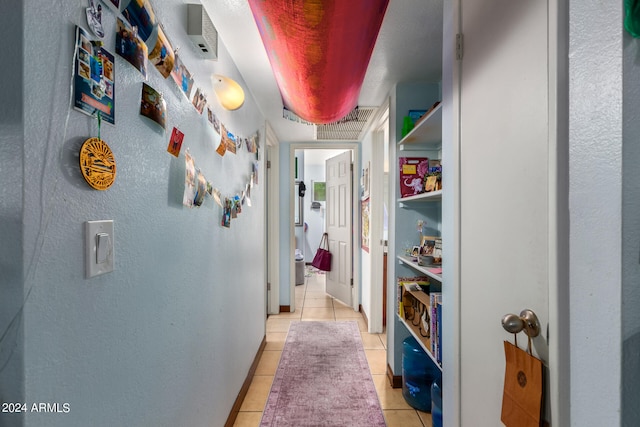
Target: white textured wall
column 631, row 235
column 165, row 339
column 11, row 179
column 595, row 164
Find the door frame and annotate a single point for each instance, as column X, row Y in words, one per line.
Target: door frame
column 355, row 206
column 376, row 217
column 273, row 230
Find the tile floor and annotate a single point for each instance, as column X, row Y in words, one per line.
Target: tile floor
column 312, row 303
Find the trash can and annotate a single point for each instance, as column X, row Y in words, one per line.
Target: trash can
column 300, row 272
column 418, row 374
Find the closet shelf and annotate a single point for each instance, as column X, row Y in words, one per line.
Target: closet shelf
column 424, row 269
column 427, row 134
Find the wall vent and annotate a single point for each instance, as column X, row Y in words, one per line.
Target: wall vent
column 201, row 31
column 350, row 128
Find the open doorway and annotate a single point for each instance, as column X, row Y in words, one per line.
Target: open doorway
column 307, row 165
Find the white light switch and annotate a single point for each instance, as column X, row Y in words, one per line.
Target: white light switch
column 99, row 242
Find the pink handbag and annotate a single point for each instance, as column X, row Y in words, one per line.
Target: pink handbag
column 322, row 260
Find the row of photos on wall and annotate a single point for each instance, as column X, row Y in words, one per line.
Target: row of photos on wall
column 140, row 40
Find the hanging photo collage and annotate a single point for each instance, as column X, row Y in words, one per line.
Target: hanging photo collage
column 141, row 40
column 197, row 187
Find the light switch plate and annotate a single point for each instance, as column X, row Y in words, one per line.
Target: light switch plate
column 95, row 241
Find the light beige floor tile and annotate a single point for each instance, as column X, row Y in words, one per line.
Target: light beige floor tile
column 248, row 419
column 402, row 418
column 426, row 418
column 316, row 286
column 275, row 341
column 258, row 392
column 347, row 313
column 317, row 295
column 383, row 338
column 371, row 341
column 278, row 325
column 339, row 304
column 390, row 398
column 317, row 313
column 362, row 325
column 316, row 319
column 318, row 302
column 268, row 363
column 377, row 361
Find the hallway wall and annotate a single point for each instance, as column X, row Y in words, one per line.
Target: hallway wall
column 630, row 233
column 164, row 340
column 11, row 177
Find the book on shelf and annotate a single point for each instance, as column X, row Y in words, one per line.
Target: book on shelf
column 435, row 300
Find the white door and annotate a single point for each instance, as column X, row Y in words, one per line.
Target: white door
column 507, row 192
column 339, row 226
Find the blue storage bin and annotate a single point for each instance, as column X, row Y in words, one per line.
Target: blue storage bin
column 418, row 374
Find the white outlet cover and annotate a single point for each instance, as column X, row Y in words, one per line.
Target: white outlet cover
column 92, row 230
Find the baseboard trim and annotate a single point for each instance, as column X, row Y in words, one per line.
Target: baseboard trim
column 235, row 409
column 285, row 309
column 394, row 380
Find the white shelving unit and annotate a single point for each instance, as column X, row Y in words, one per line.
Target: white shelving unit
column 425, row 137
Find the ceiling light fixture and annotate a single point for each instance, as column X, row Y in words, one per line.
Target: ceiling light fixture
column 229, row 92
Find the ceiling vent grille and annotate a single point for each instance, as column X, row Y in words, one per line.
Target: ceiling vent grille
column 350, row 128
column 201, row 31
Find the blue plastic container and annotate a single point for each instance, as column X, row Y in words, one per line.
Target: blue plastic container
column 436, row 404
column 418, row 374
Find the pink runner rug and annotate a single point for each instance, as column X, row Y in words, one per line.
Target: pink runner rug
column 323, row 379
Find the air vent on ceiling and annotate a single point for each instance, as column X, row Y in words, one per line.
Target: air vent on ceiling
column 201, row 31
column 350, row 128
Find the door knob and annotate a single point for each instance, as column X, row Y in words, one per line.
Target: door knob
column 527, row 321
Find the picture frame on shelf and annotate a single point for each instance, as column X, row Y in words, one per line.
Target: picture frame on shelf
column 427, row 245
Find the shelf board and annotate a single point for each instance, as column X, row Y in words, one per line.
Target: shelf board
column 413, row 330
column 431, row 196
column 424, row 269
column 427, row 134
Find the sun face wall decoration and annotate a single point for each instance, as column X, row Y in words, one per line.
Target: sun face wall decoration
column 319, row 51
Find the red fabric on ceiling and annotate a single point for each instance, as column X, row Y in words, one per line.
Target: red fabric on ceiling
column 319, row 51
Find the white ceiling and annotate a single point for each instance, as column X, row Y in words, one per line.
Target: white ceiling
column 409, row 48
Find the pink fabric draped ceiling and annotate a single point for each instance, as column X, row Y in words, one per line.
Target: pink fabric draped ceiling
column 319, row 51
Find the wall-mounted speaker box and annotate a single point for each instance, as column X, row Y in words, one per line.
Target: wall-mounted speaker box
column 201, row 31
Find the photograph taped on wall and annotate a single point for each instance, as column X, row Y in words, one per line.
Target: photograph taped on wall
column 182, row 77
column 152, row 105
column 131, row 47
column 140, row 15
column 94, row 78
column 189, row 181
column 365, row 224
column 94, row 18
column 175, row 142
column 162, row 56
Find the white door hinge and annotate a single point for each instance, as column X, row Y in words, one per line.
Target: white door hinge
column 268, row 164
column 459, row 46
column 268, row 286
